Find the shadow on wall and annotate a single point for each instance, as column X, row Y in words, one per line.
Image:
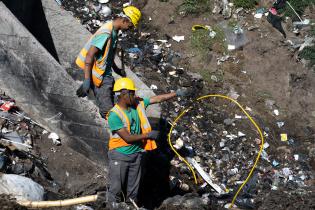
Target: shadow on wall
column 31, row 14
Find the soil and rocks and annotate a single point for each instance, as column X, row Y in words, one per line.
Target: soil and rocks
column 265, row 76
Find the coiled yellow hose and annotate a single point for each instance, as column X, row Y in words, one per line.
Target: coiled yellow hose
column 251, row 120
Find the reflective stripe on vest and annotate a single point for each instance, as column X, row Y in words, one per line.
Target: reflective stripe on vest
column 99, row 66
column 145, row 127
column 116, row 141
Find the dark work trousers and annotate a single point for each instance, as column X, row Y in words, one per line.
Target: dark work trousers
column 104, row 95
column 275, row 21
column 124, row 175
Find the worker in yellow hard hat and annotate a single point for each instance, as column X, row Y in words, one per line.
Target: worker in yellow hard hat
column 130, row 136
column 97, row 58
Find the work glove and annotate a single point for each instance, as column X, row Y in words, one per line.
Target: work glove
column 153, row 135
column 187, row 92
column 83, row 90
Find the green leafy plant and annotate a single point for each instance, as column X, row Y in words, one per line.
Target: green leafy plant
column 299, row 6
column 247, row 4
column 195, row 6
column 308, row 53
column 203, row 43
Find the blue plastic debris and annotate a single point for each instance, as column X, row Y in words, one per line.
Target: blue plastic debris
column 133, row 50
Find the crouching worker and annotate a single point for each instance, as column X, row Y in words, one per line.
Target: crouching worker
column 130, row 136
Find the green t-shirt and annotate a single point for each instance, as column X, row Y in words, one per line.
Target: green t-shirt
column 99, row 41
column 115, row 123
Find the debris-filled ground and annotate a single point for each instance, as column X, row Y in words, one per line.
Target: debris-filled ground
column 234, row 52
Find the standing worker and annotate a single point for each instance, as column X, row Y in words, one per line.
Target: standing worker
column 97, row 58
column 130, row 136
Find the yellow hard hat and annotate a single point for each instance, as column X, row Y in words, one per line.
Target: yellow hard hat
column 133, row 13
column 124, row 83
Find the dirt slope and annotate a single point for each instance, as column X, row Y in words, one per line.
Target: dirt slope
column 272, row 71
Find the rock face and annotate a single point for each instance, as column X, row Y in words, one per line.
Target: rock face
column 45, row 91
column 21, row 188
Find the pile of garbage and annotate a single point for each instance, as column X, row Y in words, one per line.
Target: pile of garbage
column 22, row 166
column 215, row 137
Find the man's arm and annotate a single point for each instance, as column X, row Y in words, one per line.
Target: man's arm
column 89, row 60
column 117, row 70
column 161, row 98
column 127, row 137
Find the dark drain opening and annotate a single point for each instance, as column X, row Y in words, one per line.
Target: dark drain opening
column 31, row 14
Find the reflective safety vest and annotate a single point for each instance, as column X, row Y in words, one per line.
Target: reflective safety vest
column 99, row 66
column 116, row 141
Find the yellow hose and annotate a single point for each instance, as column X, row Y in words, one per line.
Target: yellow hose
column 249, row 117
column 58, row 203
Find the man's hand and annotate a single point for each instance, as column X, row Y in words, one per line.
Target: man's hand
column 154, row 135
column 83, row 90
column 184, row 92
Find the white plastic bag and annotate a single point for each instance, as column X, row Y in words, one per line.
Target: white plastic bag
column 21, row 188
